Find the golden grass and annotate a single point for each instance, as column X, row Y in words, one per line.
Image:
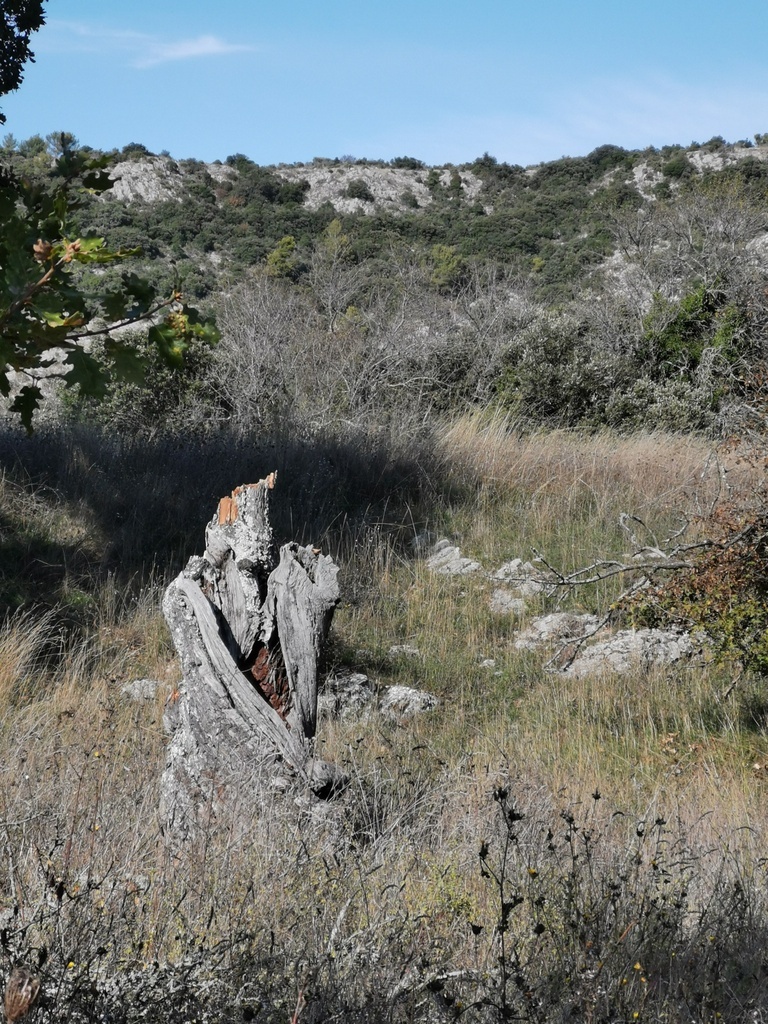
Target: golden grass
column 490, row 448
column 494, row 449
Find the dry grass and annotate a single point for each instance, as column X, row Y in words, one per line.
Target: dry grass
column 665, row 468
column 621, row 820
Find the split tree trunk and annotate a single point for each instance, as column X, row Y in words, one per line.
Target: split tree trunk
column 248, row 624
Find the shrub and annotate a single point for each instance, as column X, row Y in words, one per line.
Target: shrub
column 678, row 167
column 683, row 340
column 135, row 151
column 359, row 189
column 676, row 405
column 447, row 266
column 239, row 161
column 168, row 398
column 407, row 163
column 552, row 372
column 725, row 593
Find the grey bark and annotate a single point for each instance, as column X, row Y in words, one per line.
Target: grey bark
column 248, row 623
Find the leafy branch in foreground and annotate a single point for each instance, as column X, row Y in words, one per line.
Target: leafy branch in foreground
column 724, row 593
column 715, row 585
column 43, row 301
column 18, row 20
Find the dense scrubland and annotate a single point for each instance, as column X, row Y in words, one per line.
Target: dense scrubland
column 514, row 371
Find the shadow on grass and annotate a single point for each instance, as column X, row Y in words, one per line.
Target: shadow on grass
column 147, row 502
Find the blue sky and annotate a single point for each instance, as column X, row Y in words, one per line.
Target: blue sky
column 285, row 81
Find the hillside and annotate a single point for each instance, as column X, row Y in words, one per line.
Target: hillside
column 556, row 218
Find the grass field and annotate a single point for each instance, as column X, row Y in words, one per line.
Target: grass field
column 541, row 847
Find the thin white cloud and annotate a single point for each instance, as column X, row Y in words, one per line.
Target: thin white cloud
column 141, row 49
column 187, row 49
column 58, row 36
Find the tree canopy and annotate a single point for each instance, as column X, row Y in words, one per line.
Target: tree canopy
column 18, row 20
column 44, row 305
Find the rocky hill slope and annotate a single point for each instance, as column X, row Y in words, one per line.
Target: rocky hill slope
column 556, row 219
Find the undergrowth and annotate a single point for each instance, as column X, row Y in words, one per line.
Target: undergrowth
column 542, row 847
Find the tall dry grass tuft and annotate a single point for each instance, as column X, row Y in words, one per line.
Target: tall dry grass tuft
column 497, row 452
column 513, row 492
column 21, row 992
column 27, row 644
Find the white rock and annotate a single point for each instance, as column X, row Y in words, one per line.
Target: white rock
column 152, row 179
column 650, row 555
column 446, row 558
column 510, row 572
column 531, row 588
column 632, row 648
column 405, row 702
column 555, row 628
column 407, row 650
column 329, row 183
column 345, row 695
column 527, row 579
column 140, row 689
column 506, row 602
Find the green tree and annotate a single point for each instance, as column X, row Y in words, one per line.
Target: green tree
column 407, row 163
column 59, row 143
column 43, row 303
column 447, row 266
column 333, row 275
column 283, row 261
column 18, row 20
column 360, row 189
column 455, row 185
column 678, row 167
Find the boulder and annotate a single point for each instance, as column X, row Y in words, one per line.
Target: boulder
column 634, row 648
column 507, row 602
column 446, row 558
column 404, row 650
column 526, row 579
column 345, row 694
column 555, row 628
column 140, row 690
column 400, row 702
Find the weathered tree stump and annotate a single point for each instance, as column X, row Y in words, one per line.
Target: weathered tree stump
column 249, row 624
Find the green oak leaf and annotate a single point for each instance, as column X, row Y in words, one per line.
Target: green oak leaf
column 86, row 373
column 170, row 343
column 26, row 403
column 125, row 362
